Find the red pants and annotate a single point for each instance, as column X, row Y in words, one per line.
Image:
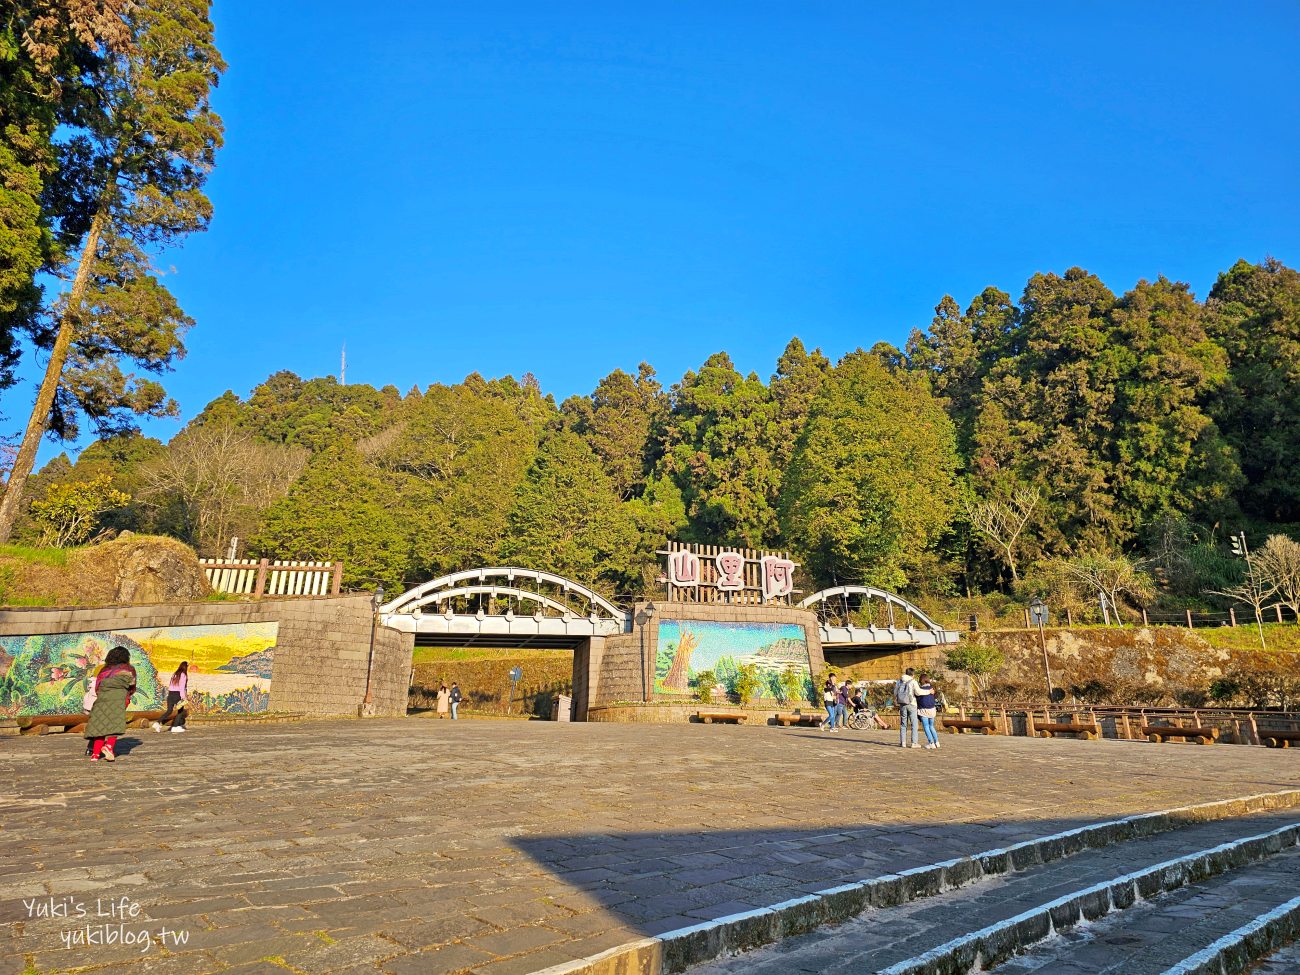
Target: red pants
column 99, row 743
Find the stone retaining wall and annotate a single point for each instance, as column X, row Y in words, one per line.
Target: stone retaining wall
column 863, row 664
column 321, row 652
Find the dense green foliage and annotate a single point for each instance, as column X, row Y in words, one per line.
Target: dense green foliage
column 108, row 136
column 1120, row 437
column 870, row 490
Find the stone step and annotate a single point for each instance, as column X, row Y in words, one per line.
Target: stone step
column 1284, row 961
column 987, row 921
column 1189, row 931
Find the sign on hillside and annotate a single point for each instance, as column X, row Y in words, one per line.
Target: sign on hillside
column 724, row 574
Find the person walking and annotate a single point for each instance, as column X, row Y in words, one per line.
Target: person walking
column 927, row 706
column 114, row 688
column 454, row 699
column 842, row 696
column 829, row 702
column 905, row 698
column 444, row 701
column 177, row 702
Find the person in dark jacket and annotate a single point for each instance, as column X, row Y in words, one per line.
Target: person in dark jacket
column 113, row 690
column 455, row 699
column 926, row 709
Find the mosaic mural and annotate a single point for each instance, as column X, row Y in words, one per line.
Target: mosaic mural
column 687, row 648
column 230, row 667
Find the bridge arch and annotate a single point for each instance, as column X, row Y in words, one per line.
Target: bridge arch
column 482, row 593
column 853, row 615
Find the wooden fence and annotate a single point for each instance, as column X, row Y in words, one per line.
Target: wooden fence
column 1248, row 726
column 258, row 578
column 1234, row 616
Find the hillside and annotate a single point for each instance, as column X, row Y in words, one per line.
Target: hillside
column 128, row 569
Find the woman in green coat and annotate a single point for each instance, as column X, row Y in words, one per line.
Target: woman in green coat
column 113, row 689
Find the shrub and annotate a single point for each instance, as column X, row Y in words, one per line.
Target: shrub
column 705, row 682
column 977, row 660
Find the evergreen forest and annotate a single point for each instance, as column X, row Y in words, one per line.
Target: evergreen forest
column 1066, row 442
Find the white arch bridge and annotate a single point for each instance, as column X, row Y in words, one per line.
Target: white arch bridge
column 513, row 606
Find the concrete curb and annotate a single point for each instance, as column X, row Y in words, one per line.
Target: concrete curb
column 674, row 951
column 1236, row 950
column 981, row 950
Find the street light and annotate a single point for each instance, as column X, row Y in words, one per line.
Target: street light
column 377, row 600
column 644, row 618
column 1038, row 614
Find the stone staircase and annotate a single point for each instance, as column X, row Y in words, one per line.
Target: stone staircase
column 1205, row 897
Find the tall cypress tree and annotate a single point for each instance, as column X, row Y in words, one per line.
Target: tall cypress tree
column 142, row 139
column 1254, row 312
column 870, row 490
column 717, row 451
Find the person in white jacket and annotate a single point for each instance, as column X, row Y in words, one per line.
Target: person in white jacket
column 905, row 689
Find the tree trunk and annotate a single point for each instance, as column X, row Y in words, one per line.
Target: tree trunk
column 40, row 418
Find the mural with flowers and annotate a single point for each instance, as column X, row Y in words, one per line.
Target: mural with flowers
column 230, row 667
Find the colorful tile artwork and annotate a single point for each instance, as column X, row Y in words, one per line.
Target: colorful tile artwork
column 686, row 648
column 230, row 667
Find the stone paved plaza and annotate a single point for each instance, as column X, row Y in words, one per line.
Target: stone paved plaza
column 410, row 846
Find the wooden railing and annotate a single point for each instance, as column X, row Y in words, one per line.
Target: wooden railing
column 1240, row 725
column 258, row 578
column 1233, row 616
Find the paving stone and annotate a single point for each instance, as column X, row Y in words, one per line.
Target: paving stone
column 517, row 940
column 436, row 961
column 333, row 826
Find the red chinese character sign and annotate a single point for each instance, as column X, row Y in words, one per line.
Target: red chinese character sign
column 684, row 569
column 731, row 571
column 778, row 577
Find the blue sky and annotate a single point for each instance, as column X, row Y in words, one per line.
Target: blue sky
column 569, row 188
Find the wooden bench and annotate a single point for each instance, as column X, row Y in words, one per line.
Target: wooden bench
column 957, row 726
column 1165, row 732
column 1274, row 738
column 41, row 724
column 724, row 717
column 813, row 720
column 1087, row 730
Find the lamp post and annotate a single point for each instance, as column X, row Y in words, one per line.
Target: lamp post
column 377, row 600
column 1038, row 614
column 644, row 618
